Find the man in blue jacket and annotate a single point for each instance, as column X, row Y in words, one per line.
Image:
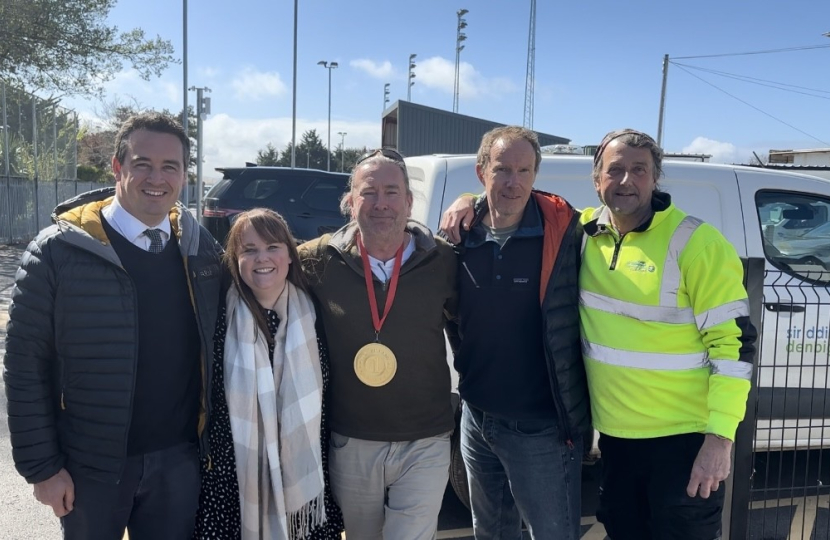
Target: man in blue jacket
column 518, row 353
column 110, row 329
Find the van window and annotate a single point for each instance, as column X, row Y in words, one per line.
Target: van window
column 795, row 228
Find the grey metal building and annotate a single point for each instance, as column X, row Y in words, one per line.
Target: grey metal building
column 417, row 130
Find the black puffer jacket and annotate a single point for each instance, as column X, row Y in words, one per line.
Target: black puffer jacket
column 71, row 341
column 560, row 311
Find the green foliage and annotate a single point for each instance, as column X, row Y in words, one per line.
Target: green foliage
column 311, row 154
column 97, row 146
column 349, row 157
column 66, row 47
column 88, row 173
column 269, row 156
column 41, row 137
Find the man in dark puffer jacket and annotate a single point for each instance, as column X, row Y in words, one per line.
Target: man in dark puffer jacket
column 111, row 321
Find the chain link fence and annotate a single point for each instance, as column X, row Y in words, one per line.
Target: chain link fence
column 38, row 162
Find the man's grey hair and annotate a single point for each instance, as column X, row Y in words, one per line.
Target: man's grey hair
column 633, row 139
column 375, row 157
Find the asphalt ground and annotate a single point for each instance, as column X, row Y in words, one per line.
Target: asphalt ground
column 777, row 513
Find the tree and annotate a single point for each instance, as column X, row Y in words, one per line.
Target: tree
column 97, row 146
column 66, row 47
column 310, row 153
column 349, row 156
column 268, row 156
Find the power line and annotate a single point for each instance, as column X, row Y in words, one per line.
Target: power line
column 760, row 82
column 752, row 106
column 769, row 51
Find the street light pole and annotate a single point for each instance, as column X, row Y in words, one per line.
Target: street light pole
column 385, row 95
column 459, row 37
column 202, row 110
column 294, row 95
column 411, row 77
column 184, row 196
column 329, row 66
column 342, row 148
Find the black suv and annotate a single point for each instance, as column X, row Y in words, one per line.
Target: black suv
column 308, row 199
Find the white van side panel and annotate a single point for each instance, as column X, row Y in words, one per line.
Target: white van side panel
column 703, row 192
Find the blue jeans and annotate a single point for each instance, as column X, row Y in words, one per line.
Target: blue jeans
column 521, row 469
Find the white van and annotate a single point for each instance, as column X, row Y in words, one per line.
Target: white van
column 781, row 217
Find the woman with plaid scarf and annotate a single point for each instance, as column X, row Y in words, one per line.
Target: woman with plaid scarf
column 266, row 476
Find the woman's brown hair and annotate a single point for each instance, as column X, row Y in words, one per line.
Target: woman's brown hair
column 271, row 227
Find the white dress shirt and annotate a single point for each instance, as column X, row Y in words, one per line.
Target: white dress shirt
column 383, row 270
column 131, row 228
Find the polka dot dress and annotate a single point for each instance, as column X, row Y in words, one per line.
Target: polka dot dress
column 218, row 516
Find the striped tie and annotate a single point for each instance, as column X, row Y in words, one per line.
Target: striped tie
column 155, row 240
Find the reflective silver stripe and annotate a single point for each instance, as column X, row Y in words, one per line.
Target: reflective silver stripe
column 671, row 267
column 584, row 243
column 721, row 314
column 732, row 368
column 663, row 314
column 643, row 360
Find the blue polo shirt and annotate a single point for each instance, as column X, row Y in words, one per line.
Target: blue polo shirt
column 501, row 360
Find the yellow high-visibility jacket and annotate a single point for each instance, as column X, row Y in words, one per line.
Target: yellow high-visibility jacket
column 666, row 336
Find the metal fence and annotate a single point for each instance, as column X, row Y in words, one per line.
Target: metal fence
column 26, row 206
column 781, row 482
column 38, row 138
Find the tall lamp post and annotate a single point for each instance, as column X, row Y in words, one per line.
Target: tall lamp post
column 459, row 37
column 411, row 77
column 342, row 148
column 329, row 66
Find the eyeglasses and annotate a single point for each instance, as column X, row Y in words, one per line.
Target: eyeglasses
column 385, row 152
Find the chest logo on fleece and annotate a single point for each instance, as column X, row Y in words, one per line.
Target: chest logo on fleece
column 640, row 266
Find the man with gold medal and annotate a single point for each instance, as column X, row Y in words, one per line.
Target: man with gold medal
column 386, row 287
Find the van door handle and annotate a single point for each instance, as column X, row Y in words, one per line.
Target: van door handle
column 784, row 308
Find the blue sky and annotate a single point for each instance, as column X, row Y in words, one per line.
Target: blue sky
column 598, row 68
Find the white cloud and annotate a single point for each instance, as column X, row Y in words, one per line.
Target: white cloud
column 250, row 84
column 209, row 72
column 378, row 70
column 721, row 152
column 230, row 142
column 439, row 73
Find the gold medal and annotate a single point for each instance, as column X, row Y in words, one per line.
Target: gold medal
column 375, row 364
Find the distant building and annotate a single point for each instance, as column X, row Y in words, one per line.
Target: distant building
column 417, row 130
column 812, row 156
column 812, row 161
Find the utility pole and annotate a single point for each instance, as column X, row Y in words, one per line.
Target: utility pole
column 411, row 77
column 662, row 101
column 459, row 37
column 202, row 110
